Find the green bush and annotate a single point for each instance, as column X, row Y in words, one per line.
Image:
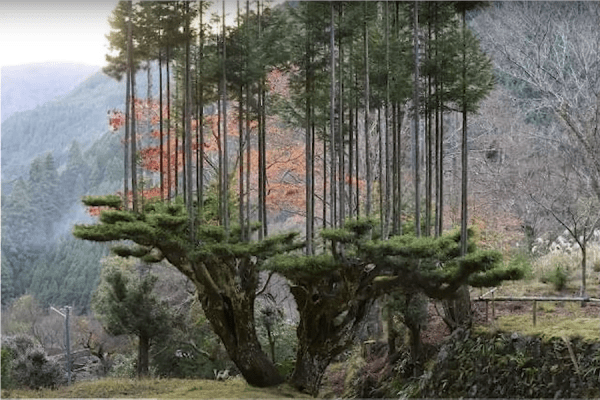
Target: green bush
column 191, row 349
column 276, row 336
column 522, row 260
column 6, row 355
column 558, row 277
column 124, row 366
column 28, row 366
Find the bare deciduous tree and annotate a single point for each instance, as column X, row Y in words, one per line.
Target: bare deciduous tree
column 554, row 50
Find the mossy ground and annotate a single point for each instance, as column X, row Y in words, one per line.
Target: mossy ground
column 161, row 389
column 547, row 326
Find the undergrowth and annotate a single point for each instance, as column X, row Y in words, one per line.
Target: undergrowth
column 161, row 389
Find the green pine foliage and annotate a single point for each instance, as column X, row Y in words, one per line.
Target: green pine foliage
column 125, row 301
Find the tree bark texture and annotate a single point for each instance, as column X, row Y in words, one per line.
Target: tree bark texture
column 332, row 311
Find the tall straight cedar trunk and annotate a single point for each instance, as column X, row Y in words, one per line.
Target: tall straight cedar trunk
column 341, row 195
column 262, row 175
column 169, row 183
column 127, row 116
column 161, row 127
column 367, row 109
column 225, row 166
column 200, row 115
column 188, row 125
column 241, row 208
column 134, row 194
column 388, row 175
column 332, row 161
column 310, row 190
column 417, row 166
column 464, row 149
column 248, row 147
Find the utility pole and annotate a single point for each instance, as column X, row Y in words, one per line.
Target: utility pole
column 65, row 315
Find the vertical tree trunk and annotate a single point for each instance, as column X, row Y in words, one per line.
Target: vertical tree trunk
column 143, row 356
column 399, row 120
column 176, row 144
column 231, row 314
column 351, row 141
column 357, row 156
column 169, row 183
column 388, row 175
column 220, row 156
column 188, row 125
column 583, row 264
column 248, row 143
column 134, row 187
column 464, row 148
column 341, row 192
column 438, row 125
column 367, row 108
column 380, row 170
column 440, row 145
column 395, row 172
column 225, row 145
column 200, row 116
column 126, row 165
column 241, row 143
column 416, row 144
column 310, row 206
column 161, row 130
column 429, row 131
column 321, row 338
column 261, row 155
column 332, row 162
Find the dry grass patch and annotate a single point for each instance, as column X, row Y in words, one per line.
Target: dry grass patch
column 548, row 326
column 161, row 389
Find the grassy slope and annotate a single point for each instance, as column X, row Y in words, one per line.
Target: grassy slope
column 554, row 319
column 162, row 389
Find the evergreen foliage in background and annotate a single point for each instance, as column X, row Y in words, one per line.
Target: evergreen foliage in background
column 37, row 253
column 126, row 304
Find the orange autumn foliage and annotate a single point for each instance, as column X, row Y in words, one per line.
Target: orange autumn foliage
column 285, row 158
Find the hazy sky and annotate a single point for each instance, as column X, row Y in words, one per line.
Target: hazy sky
column 59, row 31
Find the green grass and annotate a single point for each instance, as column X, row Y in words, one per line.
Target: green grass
column 548, row 326
column 162, row 389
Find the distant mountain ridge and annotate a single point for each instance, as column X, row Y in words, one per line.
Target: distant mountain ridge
column 80, row 114
column 25, row 87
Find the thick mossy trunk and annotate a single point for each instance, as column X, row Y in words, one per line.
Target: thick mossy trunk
column 231, row 314
column 311, row 363
column 457, row 311
column 329, row 322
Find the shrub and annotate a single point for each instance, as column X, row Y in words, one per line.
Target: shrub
column 191, row 349
column 559, row 277
column 28, row 365
column 277, row 336
column 6, row 360
column 522, row 260
column 124, row 366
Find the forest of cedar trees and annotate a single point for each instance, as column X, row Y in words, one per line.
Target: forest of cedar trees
column 381, row 160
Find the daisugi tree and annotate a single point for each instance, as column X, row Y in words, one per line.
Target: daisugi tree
column 221, row 177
